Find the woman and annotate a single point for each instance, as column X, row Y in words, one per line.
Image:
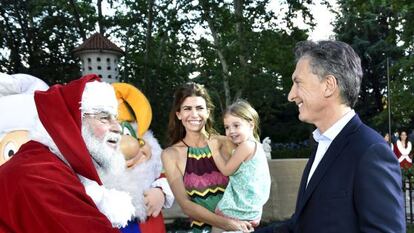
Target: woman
column 402, row 149
column 192, row 174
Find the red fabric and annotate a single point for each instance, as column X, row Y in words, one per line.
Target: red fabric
column 39, row 193
column 153, row 225
column 59, row 112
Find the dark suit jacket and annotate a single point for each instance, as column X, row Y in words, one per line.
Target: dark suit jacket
column 355, row 188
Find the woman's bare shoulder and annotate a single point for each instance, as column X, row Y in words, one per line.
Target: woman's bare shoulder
column 175, row 150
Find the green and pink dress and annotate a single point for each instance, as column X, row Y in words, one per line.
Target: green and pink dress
column 203, row 182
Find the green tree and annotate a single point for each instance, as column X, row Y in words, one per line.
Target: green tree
column 371, row 27
column 39, row 36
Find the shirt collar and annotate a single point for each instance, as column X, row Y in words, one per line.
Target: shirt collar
column 334, row 130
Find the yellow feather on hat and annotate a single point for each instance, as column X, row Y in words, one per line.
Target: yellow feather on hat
column 131, row 98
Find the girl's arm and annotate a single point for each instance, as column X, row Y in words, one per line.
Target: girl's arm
column 241, row 153
column 175, row 179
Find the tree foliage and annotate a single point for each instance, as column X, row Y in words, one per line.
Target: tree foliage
column 377, row 30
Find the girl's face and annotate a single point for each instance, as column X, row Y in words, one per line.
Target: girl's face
column 193, row 113
column 237, row 129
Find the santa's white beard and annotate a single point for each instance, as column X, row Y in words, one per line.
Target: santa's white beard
column 137, row 179
column 105, row 158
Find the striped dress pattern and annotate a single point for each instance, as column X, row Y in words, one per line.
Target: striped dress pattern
column 203, row 182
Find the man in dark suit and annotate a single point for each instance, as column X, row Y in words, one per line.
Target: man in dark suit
column 352, row 182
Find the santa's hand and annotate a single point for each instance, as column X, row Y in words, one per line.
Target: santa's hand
column 154, row 200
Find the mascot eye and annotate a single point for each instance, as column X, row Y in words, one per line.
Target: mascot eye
column 9, row 150
column 126, row 131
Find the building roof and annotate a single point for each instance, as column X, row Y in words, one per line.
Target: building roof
column 98, row 42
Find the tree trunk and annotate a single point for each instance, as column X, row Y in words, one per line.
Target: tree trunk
column 148, row 39
column 77, row 19
column 100, row 17
column 238, row 10
column 216, row 40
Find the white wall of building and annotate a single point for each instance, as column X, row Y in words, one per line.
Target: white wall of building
column 104, row 64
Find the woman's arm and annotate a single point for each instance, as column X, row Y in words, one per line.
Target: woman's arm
column 242, row 153
column 170, row 159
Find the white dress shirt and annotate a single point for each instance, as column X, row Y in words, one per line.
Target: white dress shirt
column 324, row 140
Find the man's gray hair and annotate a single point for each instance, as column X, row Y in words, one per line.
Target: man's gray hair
column 334, row 58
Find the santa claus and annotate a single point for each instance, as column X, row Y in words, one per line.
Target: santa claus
column 53, row 183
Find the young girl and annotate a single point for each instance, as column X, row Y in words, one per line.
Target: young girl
column 249, row 185
column 196, row 182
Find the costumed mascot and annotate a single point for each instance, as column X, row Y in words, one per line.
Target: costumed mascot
column 143, row 180
column 17, row 111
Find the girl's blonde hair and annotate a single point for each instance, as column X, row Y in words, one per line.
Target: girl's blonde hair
column 242, row 109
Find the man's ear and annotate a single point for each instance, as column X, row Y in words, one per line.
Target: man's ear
column 331, row 85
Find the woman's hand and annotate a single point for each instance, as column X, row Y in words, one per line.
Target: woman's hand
column 237, row 225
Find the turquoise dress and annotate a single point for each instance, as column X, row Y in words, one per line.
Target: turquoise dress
column 248, row 189
column 203, row 182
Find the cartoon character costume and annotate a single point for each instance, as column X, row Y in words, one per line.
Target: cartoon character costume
column 17, row 111
column 143, row 154
column 51, row 184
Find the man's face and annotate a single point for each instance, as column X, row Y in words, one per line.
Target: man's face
column 101, row 133
column 308, row 93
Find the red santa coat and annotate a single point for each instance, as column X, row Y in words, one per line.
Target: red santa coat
column 42, row 194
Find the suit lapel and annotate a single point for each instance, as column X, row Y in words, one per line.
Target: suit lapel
column 305, row 175
column 334, row 150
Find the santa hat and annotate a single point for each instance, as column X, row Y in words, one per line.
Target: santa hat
column 59, row 110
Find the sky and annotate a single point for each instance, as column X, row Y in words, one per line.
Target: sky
column 322, row 17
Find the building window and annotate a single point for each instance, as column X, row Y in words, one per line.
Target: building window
column 110, row 76
column 99, row 68
column 116, row 69
column 108, row 68
column 89, row 68
column 98, row 59
column 89, row 60
column 108, row 60
column 100, row 76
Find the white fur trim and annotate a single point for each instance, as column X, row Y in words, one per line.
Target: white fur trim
column 138, row 179
column 115, row 205
column 99, row 97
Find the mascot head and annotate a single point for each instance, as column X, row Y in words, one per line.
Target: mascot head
column 135, row 115
column 18, row 111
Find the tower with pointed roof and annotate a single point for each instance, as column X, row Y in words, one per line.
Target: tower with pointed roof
column 100, row 56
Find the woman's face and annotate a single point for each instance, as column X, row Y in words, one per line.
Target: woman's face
column 403, row 136
column 193, row 113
